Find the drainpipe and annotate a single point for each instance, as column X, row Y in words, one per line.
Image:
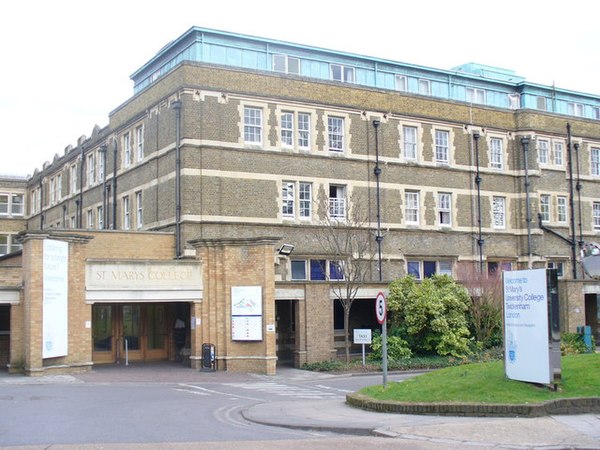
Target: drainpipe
column 379, row 239
column 41, row 204
column 572, row 203
column 103, row 156
column 578, row 186
column 177, row 107
column 114, row 186
column 525, row 144
column 81, row 172
column 377, row 172
column 480, row 240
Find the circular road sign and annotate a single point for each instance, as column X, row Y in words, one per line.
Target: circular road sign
column 380, row 308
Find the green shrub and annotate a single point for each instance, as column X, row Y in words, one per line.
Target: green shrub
column 572, row 343
column 397, row 348
column 431, row 315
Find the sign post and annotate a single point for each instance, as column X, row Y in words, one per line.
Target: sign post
column 381, row 313
column 362, row 337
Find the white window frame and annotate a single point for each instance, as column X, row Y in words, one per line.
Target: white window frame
column 496, row 153
column 561, row 209
column 91, row 166
column 559, row 153
column 288, row 199
column 127, row 160
column 306, row 272
column 543, row 150
column 400, row 83
column 541, row 103
column 304, row 131
column 559, row 266
column 596, row 112
column 595, row 161
column 575, row 109
column 73, row 178
column 126, row 213
column 52, row 191
column 139, row 142
column 424, row 86
column 253, row 125
column 296, row 200
column 101, row 156
column 412, row 207
column 100, row 217
column 287, row 129
column 281, row 63
column 475, row 95
column 499, row 212
column 545, row 201
column 139, row 216
column 17, row 207
column 5, row 205
column 59, row 186
column 305, row 200
column 337, row 202
column 445, row 209
column 341, row 73
column 90, row 219
column 336, row 133
column 442, row 146
column 596, row 215
column 4, row 247
column 410, row 144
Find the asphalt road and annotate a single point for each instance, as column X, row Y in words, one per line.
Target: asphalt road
column 181, row 408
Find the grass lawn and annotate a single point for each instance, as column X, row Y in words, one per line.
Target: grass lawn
column 486, row 383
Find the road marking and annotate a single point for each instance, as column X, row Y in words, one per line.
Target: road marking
column 286, row 390
column 210, row 391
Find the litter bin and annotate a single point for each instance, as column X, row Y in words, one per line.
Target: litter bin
column 586, row 333
column 208, row 357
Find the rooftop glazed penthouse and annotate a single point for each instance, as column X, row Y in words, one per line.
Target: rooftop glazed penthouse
column 471, row 82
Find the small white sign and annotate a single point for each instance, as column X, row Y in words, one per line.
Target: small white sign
column 362, row 336
column 88, row 324
column 270, row 327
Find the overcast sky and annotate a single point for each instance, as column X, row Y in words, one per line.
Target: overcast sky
column 66, row 63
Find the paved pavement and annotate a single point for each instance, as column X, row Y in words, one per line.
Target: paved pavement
column 543, row 433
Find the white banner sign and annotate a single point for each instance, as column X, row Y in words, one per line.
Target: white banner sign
column 55, row 329
column 526, row 341
column 246, row 313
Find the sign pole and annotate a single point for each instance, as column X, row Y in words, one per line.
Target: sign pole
column 381, row 314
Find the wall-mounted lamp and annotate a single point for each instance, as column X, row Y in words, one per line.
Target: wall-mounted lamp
column 286, row 249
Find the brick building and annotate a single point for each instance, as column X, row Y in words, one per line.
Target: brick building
column 231, row 137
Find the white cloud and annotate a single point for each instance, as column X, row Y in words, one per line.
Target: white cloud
column 66, row 64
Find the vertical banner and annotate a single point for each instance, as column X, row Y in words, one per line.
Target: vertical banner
column 55, row 330
column 246, row 313
column 526, row 338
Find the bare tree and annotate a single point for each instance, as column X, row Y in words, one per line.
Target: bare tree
column 347, row 241
column 486, row 300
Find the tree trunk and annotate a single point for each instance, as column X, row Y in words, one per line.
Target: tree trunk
column 346, row 334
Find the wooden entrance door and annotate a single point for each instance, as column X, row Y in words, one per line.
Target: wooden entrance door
column 136, row 332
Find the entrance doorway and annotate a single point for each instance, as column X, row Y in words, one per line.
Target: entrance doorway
column 285, row 312
column 138, row 331
column 592, row 314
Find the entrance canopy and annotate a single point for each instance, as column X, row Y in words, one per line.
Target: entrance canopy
column 144, row 281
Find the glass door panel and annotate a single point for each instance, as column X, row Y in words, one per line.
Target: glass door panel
column 156, row 326
column 102, row 328
column 131, row 326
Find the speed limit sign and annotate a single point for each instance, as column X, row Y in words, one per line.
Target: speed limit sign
column 380, row 308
